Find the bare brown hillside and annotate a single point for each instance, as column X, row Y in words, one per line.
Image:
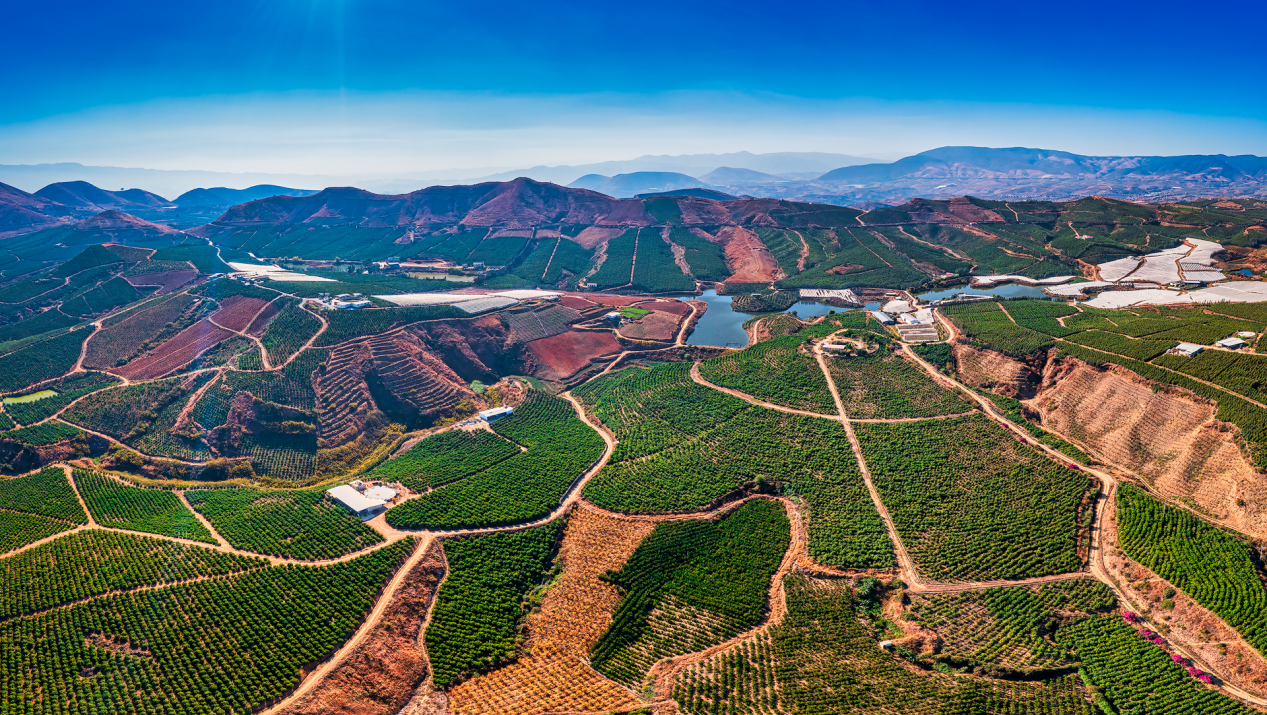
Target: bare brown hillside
column 991, row 370
column 1167, row 436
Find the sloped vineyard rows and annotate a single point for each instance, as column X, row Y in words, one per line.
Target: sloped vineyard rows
column 682, row 446
column 207, row 648
column 348, row 324
column 886, row 386
column 69, row 389
column 292, row 524
column 155, row 511
column 521, row 488
column 44, row 434
column 444, row 458
column 480, row 606
column 656, row 270
column 127, row 412
column 93, row 562
column 18, row 530
column 1137, row 677
column 288, row 331
column 740, row 680
column 827, row 660
column 123, row 339
column 43, row 493
column 970, row 503
column 41, row 361
column 711, row 576
column 1005, row 626
column 987, row 325
column 1208, row 564
column 778, row 371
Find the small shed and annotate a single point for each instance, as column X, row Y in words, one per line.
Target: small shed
column 1231, row 343
column 883, row 318
column 496, row 413
column 354, row 501
column 834, row 347
column 613, row 316
column 1187, row 349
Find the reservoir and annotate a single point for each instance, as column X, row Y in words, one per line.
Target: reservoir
column 723, row 327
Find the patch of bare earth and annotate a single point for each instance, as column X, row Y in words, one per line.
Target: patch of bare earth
column 379, row 676
column 593, row 235
column 553, row 675
column 564, row 355
column 749, row 260
column 1167, row 436
column 679, row 253
column 653, row 326
column 989, row 369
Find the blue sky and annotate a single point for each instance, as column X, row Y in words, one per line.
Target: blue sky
column 379, row 85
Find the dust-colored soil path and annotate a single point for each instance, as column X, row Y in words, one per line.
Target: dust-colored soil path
column 752, row 400
column 906, row 565
column 336, row 659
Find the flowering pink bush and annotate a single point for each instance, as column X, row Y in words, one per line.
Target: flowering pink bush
column 1130, row 617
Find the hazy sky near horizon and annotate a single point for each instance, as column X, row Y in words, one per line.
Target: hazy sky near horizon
column 358, row 87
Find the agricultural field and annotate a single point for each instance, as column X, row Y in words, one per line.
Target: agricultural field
column 706, row 259
column 884, row 385
column 169, row 547
column 28, row 411
column 682, row 447
column 617, row 267
column 779, row 370
column 44, row 433
column 521, row 488
column 348, row 324
column 554, row 673
column 39, row 361
column 305, row 525
column 444, row 458
column 970, row 503
column 1212, row 566
column 691, row 584
column 288, row 331
column 43, row 493
column 155, row 511
column 655, row 270
column 1137, row 676
column 90, row 563
column 1004, row 626
column 166, row 650
column 119, row 340
column 826, row 660
column 480, row 606
column 987, row 325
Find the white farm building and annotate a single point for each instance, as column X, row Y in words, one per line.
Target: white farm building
column 359, row 504
column 496, row 413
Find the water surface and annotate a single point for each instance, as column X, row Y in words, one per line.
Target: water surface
column 29, row 398
column 722, row 326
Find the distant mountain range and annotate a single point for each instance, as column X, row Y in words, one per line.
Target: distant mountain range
column 792, row 163
column 1000, row 174
column 1008, row 174
column 74, row 201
